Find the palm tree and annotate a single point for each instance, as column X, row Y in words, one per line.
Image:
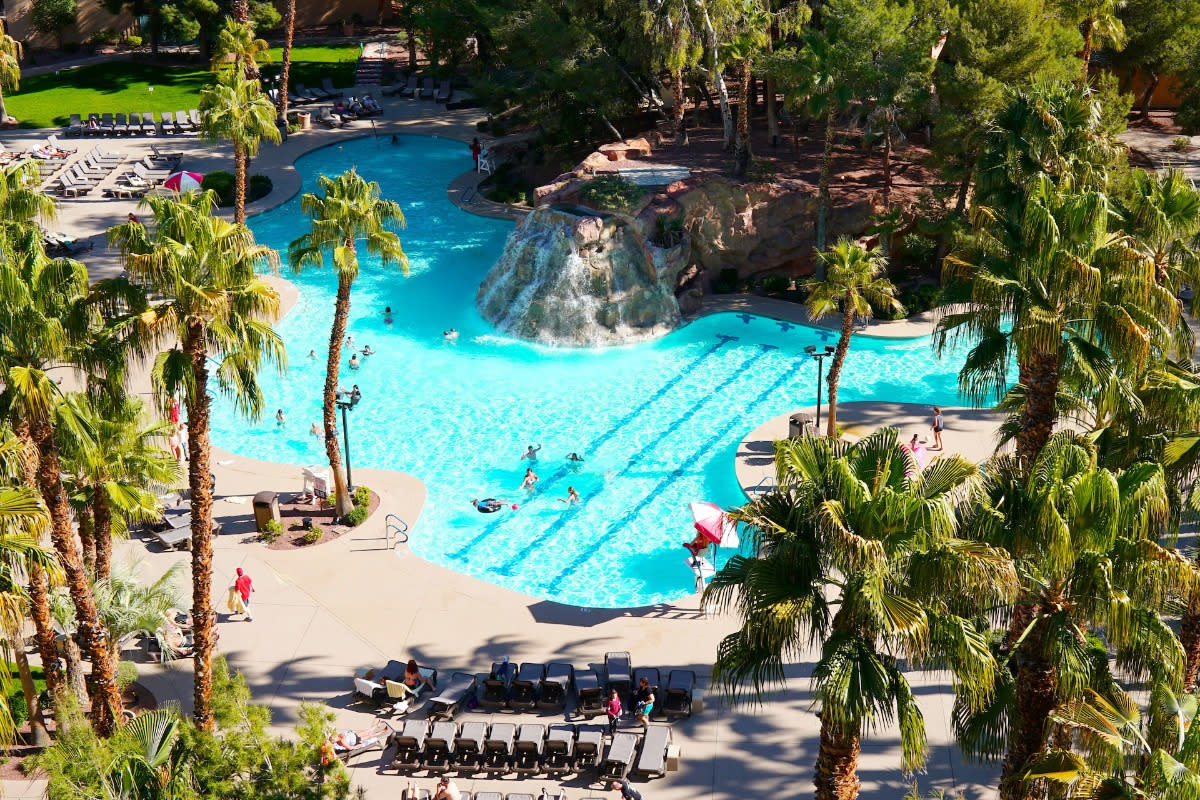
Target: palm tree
column 10, row 68
column 285, row 70
column 854, row 281
column 235, row 108
column 1161, row 212
column 1046, row 284
column 348, row 211
column 118, row 470
column 214, row 306
column 1085, row 540
column 237, row 48
column 858, row 551
column 740, row 51
column 128, row 606
column 1099, row 24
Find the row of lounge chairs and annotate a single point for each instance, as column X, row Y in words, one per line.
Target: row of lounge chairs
column 168, row 123
column 416, row 89
column 504, row 748
column 88, row 172
column 299, row 95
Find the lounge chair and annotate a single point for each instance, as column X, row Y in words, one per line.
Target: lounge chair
column 453, row 694
column 496, row 685
column 296, row 100
column 125, row 191
column 377, row 738
column 682, row 696
column 412, row 88
column 121, row 125
column 74, row 126
column 589, row 697
column 183, row 123
column 100, row 154
column 67, row 186
column 315, row 94
column 489, row 796
column 468, row 747
column 524, row 796
column 163, row 157
column 428, row 88
column 92, row 126
column 651, row 674
column 168, row 122
column 443, row 93
column 329, row 118
column 527, row 750
column 370, row 685
column 524, row 688
column 149, row 125
column 135, row 124
column 107, row 126
column 410, row 741
column 619, row 757
column 588, row 742
column 559, row 750
column 619, row 672
column 197, row 120
column 439, row 747
column 498, row 748
column 327, row 85
column 552, row 693
column 652, row 761
column 175, row 538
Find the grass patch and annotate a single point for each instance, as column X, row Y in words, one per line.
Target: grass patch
column 16, row 699
column 47, row 101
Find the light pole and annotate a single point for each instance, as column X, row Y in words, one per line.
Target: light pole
column 346, row 402
column 820, row 356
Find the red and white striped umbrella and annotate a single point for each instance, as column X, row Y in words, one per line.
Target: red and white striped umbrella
column 183, row 182
column 711, row 521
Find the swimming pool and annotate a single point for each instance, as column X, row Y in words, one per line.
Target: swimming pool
column 657, row 423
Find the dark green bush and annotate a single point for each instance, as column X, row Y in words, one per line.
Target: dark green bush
column 362, row 496
column 222, row 182
column 271, row 531
column 727, row 281
column 776, row 284
column 260, row 186
column 506, row 185
column 357, row 516
column 105, row 37
column 610, row 191
column 668, row 231
column 133, row 40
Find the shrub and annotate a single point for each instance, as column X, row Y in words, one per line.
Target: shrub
column 260, row 186
column 127, row 673
column 271, row 531
column 221, row 182
column 668, row 231
column 313, row 535
column 133, row 40
column 357, row 516
column 51, row 16
column 362, row 496
column 104, row 37
column 611, row 191
column 17, row 707
column 506, row 185
column 1181, row 144
column 776, row 284
column 727, row 281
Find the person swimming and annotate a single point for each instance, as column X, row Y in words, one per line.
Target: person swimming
column 574, row 457
column 387, row 315
column 312, row 353
column 280, row 420
column 450, row 335
column 572, row 497
column 355, row 394
column 530, row 479
column 315, row 430
column 367, row 351
column 531, row 453
column 488, row 505
column 354, row 361
column 350, row 342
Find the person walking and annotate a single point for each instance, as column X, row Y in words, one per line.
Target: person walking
column 626, row 789
column 613, row 708
column 244, row 587
column 939, row 424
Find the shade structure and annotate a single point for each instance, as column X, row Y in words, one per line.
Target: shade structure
column 183, row 182
column 711, row 521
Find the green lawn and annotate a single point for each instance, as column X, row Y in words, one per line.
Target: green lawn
column 47, row 101
column 16, row 699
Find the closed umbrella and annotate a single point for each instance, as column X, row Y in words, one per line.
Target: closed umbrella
column 711, row 521
column 183, row 182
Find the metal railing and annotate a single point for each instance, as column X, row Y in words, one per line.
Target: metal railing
column 396, row 529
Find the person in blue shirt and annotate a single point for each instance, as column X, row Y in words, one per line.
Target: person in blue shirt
column 626, row 789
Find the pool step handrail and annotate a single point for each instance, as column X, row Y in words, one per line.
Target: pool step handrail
column 395, row 527
column 762, row 487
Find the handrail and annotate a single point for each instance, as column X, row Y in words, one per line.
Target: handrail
column 394, row 525
column 758, row 488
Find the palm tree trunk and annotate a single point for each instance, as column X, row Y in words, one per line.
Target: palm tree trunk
column 1189, row 637
column 1040, row 376
column 239, row 183
column 681, row 137
column 337, row 334
column 835, row 366
column 37, row 719
column 3, row 111
column 76, row 682
column 836, row 774
column 1086, row 53
column 102, row 535
column 289, row 34
column 87, row 537
column 823, row 202
column 106, row 701
column 200, row 483
column 710, row 36
column 741, row 152
column 410, row 34
column 240, row 10
column 1036, row 683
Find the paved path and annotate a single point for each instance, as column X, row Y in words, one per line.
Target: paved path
column 1157, row 147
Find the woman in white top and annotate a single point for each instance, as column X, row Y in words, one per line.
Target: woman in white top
column 939, row 424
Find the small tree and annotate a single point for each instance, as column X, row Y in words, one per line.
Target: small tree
column 51, row 16
column 10, row 69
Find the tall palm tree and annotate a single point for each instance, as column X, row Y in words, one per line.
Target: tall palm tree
column 740, row 51
column 235, row 108
column 118, row 469
column 239, row 49
column 285, row 70
column 10, row 68
column 858, row 551
column 1161, row 212
column 214, row 306
column 1100, row 24
column 1094, row 577
column 349, row 211
column 128, row 605
column 1046, row 284
column 854, row 282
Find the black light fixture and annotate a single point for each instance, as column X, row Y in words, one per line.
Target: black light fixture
column 346, row 401
column 820, row 356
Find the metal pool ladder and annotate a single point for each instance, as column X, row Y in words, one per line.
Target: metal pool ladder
column 396, row 530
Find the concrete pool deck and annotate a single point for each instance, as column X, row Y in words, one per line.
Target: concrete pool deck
column 363, row 599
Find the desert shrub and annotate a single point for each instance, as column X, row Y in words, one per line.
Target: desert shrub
column 104, row 37
column 313, row 535
column 357, row 516
column 668, row 231
column 506, row 185
column 915, row 299
column 776, row 284
column 133, row 40
column 1181, row 144
column 610, row 191
column 727, row 281
column 271, row 531
column 362, row 496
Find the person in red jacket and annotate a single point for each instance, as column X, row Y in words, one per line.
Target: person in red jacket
column 244, row 587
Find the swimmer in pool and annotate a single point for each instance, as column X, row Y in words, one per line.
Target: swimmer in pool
column 530, row 479
column 312, row 353
column 531, row 453
column 354, row 361
column 574, row 457
column 280, row 420
column 572, row 496
column 387, row 315
column 450, row 335
column 350, row 342
column 367, row 351
column 488, row 505
column 315, row 430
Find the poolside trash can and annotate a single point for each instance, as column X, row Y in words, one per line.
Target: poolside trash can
column 266, row 508
column 800, row 425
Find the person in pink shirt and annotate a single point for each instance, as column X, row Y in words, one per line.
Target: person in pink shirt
column 613, row 709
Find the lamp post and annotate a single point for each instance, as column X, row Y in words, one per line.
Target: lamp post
column 820, row 356
column 345, row 402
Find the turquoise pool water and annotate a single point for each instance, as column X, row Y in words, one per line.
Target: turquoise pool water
column 657, row 423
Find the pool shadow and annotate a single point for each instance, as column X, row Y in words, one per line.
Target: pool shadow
column 551, row 613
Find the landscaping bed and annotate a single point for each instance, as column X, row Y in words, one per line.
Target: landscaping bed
column 292, row 513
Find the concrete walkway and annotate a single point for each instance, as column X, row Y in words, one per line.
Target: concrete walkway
column 1157, row 147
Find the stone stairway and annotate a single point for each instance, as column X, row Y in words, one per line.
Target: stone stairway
column 370, row 64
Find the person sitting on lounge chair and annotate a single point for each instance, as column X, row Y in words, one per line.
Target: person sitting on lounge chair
column 348, row 740
column 413, row 677
column 447, row 790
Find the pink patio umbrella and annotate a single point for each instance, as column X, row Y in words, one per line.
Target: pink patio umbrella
column 711, row 521
column 183, row 182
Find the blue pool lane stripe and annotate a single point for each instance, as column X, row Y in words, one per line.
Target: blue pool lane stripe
column 586, row 554
column 558, row 474
column 554, row 527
